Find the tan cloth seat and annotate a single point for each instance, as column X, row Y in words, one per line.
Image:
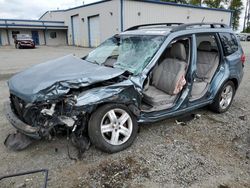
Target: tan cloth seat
column 206, row 66
column 207, row 61
column 168, row 78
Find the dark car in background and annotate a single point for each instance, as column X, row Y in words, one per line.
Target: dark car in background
column 143, row 75
column 24, row 41
column 241, row 36
column 248, row 38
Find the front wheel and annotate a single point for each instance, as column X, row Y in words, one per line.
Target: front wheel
column 224, row 98
column 112, row 128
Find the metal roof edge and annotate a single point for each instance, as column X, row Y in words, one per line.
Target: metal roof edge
column 90, row 4
column 25, row 20
column 185, row 5
column 64, row 10
column 49, row 11
column 27, row 25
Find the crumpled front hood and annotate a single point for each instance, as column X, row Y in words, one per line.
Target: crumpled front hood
column 55, row 78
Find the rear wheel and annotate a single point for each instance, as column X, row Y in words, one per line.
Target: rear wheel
column 112, row 128
column 224, row 98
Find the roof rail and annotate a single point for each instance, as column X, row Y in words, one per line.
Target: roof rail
column 153, row 24
column 191, row 25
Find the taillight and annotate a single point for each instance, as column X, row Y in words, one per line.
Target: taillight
column 243, row 59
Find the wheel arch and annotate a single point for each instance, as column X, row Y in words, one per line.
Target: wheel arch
column 221, row 84
column 132, row 107
column 235, row 81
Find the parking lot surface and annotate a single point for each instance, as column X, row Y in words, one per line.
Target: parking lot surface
column 14, row 60
column 212, row 151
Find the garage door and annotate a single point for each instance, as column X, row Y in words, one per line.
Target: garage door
column 0, row 38
column 94, row 31
column 75, row 30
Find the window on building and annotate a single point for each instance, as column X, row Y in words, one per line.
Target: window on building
column 53, row 35
column 229, row 43
column 14, row 33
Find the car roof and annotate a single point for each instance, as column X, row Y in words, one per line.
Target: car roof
column 148, row 31
column 166, row 28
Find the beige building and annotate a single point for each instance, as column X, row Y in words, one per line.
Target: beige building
column 42, row 32
column 89, row 25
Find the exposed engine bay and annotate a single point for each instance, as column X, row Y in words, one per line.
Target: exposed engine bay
column 52, row 117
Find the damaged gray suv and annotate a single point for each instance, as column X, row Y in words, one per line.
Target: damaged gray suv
column 145, row 74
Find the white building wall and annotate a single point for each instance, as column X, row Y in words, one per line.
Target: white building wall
column 41, row 37
column 59, row 40
column 4, row 37
column 109, row 13
column 134, row 13
column 109, row 24
column 138, row 12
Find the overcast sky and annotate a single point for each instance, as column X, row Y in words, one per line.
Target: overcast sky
column 33, row 9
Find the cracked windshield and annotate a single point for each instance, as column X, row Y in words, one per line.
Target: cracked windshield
column 129, row 53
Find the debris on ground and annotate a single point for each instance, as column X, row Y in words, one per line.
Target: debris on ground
column 243, row 118
column 82, row 143
column 21, row 185
column 115, row 173
column 184, row 119
column 248, row 154
column 223, row 186
column 17, row 141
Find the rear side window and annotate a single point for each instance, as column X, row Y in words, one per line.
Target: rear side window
column 229, row 43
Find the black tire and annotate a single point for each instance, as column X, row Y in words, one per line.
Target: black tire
column 215, row 106
column 95, row 133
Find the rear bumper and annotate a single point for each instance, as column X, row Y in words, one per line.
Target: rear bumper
column 20, row 125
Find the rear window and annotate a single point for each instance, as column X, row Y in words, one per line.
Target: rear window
column 229, row 43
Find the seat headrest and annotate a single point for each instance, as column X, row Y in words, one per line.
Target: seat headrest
column 178, row 51
column 205, row 46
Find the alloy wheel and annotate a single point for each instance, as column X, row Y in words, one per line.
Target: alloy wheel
column 226, row 97
column 116, row 126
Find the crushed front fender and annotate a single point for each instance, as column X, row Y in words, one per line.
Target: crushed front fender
column 123, row 92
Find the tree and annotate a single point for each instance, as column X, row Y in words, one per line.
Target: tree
column 176, row 1
column 247, row 30
column 236, row 6
column 195, row 2
column 215, row 3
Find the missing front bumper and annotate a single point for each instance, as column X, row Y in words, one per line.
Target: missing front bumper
column 20, row 125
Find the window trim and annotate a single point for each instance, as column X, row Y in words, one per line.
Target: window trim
column 189, row 54
column 219, row 46
column 222, row 46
